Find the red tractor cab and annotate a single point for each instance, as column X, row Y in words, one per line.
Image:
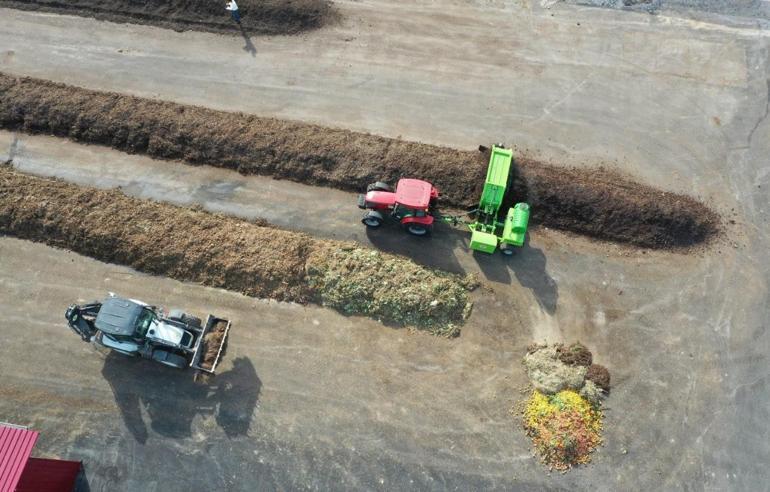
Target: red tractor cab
column 411, row 204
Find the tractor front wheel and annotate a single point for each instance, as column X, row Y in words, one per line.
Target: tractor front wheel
column 417, row 229
column 373, row 219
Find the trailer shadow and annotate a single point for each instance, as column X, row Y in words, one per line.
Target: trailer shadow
column 529, row 266
column 171, row 399
column 493, row 267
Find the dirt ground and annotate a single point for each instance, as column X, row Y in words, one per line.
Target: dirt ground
column 308, row 399
column 596, row 202
column 749, row 12
column 257, row 16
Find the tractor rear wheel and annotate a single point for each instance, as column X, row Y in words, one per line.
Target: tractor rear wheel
column 417, row 229
column 379, row 186
column 169, row 359
column 373, row 219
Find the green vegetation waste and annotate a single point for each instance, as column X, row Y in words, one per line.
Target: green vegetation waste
column 356, row 280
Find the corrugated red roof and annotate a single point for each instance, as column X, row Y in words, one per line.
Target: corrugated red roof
column 15, row 447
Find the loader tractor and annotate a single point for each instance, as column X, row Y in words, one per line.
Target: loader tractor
column 134, row 328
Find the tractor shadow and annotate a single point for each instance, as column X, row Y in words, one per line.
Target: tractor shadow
column 435, row 250
column 171, row 399
column 527, row 265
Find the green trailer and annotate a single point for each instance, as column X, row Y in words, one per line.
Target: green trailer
column 487, row 231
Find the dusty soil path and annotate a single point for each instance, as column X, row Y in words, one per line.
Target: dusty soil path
column 681, row 104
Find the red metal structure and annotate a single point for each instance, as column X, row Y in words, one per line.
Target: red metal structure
column 15, row 447
column 411, row 204
column 21, row 473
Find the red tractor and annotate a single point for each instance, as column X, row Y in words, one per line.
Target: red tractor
column 411, row 204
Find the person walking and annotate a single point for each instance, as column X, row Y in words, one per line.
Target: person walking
column 233, row 8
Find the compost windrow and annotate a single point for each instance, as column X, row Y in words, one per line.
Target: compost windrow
column 594, row 202
column 257, row 16
column 220, row 251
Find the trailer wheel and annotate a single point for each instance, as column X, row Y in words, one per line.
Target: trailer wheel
column 168, row 359
column 417, row 229
column 373, row 219
column 379, row 186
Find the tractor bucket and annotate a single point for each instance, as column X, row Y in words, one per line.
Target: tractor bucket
column 80, row 319
column 483, row 241
column 210, row 345
column 515, row 228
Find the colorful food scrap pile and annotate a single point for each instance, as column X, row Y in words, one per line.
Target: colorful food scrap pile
column 563, row 416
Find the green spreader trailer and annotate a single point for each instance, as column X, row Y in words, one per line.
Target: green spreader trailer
column 487, row 231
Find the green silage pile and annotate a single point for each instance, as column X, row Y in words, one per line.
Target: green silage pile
column 358, row 281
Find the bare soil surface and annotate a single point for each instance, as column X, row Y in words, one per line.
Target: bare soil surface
column 257, row 16
column 345, row 403
column 744, row 12
column 595, row 202
column 225, row 252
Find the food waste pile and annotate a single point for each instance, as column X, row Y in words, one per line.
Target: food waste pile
column 563, row 415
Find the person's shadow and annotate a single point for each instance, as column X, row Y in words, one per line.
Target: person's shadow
column 171, row 399
column 248, row 46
